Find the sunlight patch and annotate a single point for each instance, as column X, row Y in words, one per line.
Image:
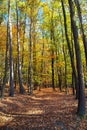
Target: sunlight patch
column 36, row 98
column 5, row 119
column 34, row 112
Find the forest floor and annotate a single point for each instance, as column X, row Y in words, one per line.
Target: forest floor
column 44, row 110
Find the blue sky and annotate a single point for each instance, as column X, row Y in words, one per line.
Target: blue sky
column 43, row 0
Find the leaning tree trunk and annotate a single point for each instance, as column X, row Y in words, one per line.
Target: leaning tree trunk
column 10, row 45
column 22, row 91
column 82, row 29
column 81, row 99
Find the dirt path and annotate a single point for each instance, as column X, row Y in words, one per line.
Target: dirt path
column 45, row 110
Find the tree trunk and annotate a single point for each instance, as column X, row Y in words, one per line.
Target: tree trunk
column 81, row 99
column 64, row 53
column 42, row 61
column 15, row 73
column 74, row 80
column 34, row 56
column 22, row 91
column 82, row 29
column 73, row 84
column 52, row 51
column 24, row 31
column 11, row 55
column 60, row 79
column 52, row 67
column 30, row 68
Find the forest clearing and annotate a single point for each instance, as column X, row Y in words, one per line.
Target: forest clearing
column 44, row 110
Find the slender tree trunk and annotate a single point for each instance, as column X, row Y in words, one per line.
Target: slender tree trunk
column 58, row 71
column 22, row 60
column 64, row 53
column 34, row 56
column 24, row 28
column 81, row 99
column 60, row 79
column 82, row 28
column 15, row 73
column 11, row 55
column 74, row 81
column 73, row 84
column 52, row 61
column 52, row 51
column 42, row 61
column 30, row 69
column 52, row 66
column 22, row 91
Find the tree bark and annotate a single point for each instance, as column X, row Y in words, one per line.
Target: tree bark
column 34, row 55
column 82, row 28
column 81, row 99
column 64, row 53
column 22, row 91
column 52, row 51
column 30, row 68
column 24, row 32
column 11, row 55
